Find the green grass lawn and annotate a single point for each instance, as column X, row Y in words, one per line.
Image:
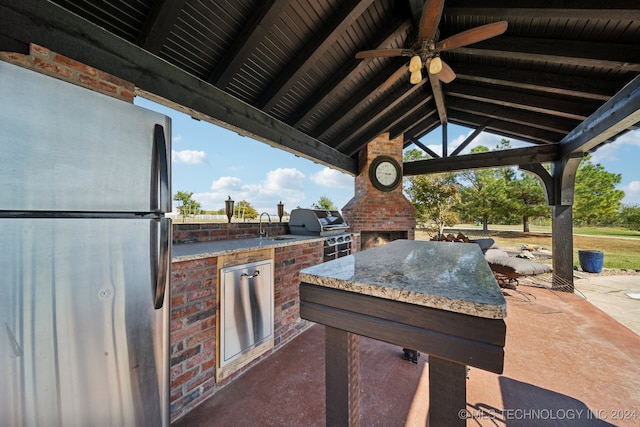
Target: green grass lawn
column 621, row 246
column 589, row 231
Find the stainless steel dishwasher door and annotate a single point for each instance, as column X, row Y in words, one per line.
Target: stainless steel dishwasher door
column 246, row 308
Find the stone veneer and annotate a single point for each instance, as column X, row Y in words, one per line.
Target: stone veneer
column 371, row 209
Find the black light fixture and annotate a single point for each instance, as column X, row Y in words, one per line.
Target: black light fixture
column 280, row 210
column 228, row 208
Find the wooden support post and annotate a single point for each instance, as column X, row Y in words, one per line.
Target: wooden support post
column 342, row 374
column 562, row 247
column 447, row 393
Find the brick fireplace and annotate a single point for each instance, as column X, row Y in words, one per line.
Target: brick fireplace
column 379, row 216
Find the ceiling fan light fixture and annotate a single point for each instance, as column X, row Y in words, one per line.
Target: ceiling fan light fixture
column 435, row 65
column 416, row 77
column 415, row 64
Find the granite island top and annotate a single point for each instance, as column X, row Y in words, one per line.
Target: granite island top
column 447, row 276
column 192, row 251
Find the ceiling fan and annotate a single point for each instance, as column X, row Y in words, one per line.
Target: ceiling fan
column 425, row 52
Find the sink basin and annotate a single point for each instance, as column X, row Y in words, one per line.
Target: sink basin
column 282, row 238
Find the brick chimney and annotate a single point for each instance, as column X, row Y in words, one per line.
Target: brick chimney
column 379, row 216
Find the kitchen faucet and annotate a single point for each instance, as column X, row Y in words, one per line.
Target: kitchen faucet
column 263, row 233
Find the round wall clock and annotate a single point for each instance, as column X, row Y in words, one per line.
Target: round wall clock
column 385, row 173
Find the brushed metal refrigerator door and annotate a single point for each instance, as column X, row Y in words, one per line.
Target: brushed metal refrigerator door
column 66, row 148
column 80, row 341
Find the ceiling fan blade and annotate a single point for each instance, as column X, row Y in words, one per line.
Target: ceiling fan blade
column 402, row 72
column 431, row 14
column 446, row 75
column 382, row 53
column 473, row 35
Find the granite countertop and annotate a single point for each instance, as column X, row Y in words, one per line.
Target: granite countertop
column 447, row 276
column 199, row 250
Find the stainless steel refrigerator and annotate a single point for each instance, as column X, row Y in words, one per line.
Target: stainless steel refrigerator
column 84, row 256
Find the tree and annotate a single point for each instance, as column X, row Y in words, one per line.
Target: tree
column 414, row 154
column 630, row 216
column 527, row 199
column 324, row 203
column 189, row 206
column 433, row 197
column 244, row 210
column 596, row 199
column 486, row 194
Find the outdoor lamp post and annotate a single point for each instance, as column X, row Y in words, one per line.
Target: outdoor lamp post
column 280, row 210
column 228, row 208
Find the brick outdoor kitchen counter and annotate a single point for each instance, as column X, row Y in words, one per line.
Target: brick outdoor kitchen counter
column 200, row 250
column 195, row 302
column 439, row 299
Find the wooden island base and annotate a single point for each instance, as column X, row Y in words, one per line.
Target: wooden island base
column 398, row 293
column 452, row 340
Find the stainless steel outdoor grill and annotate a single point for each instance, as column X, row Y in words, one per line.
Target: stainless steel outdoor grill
column 325, row 223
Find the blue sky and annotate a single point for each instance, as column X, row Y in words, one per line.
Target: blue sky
column 215, row 163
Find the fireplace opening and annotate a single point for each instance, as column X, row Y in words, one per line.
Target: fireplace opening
column 372, row 239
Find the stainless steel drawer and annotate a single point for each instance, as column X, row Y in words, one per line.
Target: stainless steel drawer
column 246, row 308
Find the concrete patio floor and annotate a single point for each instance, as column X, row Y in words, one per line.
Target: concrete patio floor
column 567, row 362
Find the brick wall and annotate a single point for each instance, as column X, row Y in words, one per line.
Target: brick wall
column 371, row 209
column 47, row 62
column 207, row 232
column 193, row 321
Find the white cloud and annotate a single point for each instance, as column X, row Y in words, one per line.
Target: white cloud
column 609, row 152
column 191, row 157
column 631, row 193
column 282, row 184
column 332, row 178
column 176, row 138
column 632, row 138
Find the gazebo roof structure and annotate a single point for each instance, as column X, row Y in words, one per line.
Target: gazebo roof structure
column 561, row 77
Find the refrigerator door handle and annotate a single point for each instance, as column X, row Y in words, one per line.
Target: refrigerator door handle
column 164, row 202
column 162, row 261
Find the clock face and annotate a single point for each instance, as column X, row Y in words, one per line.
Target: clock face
column 385, row 173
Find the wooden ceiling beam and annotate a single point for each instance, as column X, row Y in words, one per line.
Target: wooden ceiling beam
column 624, row 10
column 514, row 115
column 308, row 56
column 362, row 96
column 618, row 114
column 340, row 80
column 520, row 131
column 375, row 119
column 426, row 149
column 543, row 82
column 438, row 96
column 403, row 127
column 491, row 159
column 264, row 17
column 47, row 24
column 424, row 126
column 524, row 101
column 608, row 56
column 158, row 25
column 408, row 111
column 468, row 140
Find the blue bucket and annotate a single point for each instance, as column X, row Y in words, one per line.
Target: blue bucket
column 591, row 261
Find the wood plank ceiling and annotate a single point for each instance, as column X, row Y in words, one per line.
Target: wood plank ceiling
column 285, row 72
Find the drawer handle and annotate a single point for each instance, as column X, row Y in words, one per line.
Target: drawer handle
column 255, row 274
